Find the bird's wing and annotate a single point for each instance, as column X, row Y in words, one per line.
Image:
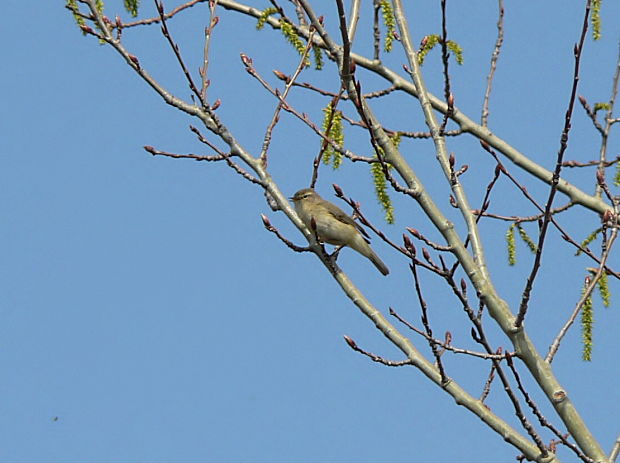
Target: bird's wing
column 342, row 216
column 363, row 232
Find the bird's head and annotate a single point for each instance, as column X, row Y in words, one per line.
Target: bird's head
column 304, row 195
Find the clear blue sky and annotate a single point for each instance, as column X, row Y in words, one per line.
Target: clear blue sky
column 147, row 317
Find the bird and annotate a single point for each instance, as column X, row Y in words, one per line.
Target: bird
column 333, row 225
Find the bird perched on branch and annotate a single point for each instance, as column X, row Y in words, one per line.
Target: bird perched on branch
column 333, row 225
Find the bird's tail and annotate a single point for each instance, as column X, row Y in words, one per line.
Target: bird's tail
column 378, row 263
column 361, row 246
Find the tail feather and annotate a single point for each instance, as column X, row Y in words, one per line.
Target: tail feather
column 379, row 263
column 361, row 246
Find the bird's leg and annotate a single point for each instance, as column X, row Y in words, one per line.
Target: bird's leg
column 334, row 255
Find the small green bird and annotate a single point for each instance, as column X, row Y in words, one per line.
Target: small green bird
column 333, row 225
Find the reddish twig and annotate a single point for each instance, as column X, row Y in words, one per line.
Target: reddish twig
column 591, row 163
column 541, row 419
column 374, row 357
column 177, row 52
column 494, row 58
column 525, row 298
column 486, row 390
column 555, row 345
column 157, row 19
column 445, row 380
column 276, row 114
column 276, row 232
column 449, row 98
column 196, row 157
column 328, row 127
column 443, row 344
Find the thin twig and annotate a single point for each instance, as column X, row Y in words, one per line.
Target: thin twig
column 402, row 133
column 157, row 19
column 303, row 116
column 565, row 236
column 520, row 218
column 276, row 114
column 592, row 115
column 203, row 71
column 446, row 75
column 197, row 157
column 608, row 118
column 432, row 244
column 525, row 298
column 427, row 327
column 494, row 57
column 269, row 227
column 374, row 357
column 591, row 163
column 346, row 73
column 486, row 202
column 555, row 345
column 328, row 127
column 177, row 52
column 541, row 418
column 479, row 336
column 370, row 95
column 443, row 344
column 376, row 34
column 486, row 390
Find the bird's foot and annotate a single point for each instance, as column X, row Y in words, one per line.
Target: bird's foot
column 334, row 255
